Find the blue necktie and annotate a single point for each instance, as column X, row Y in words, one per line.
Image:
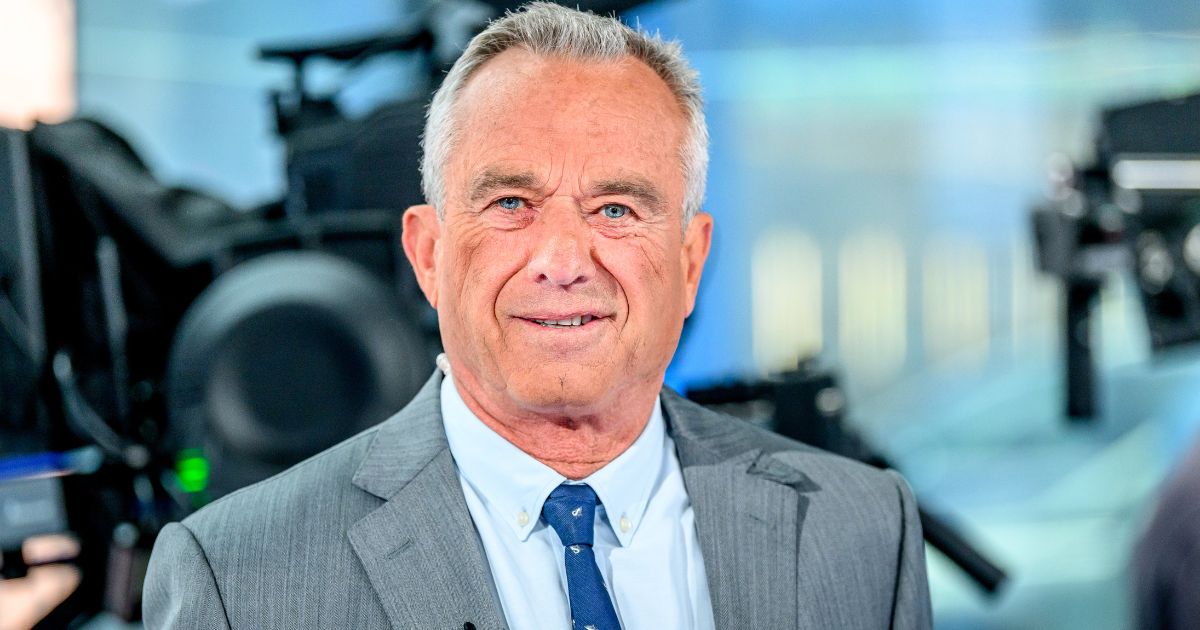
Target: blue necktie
column 571, row 511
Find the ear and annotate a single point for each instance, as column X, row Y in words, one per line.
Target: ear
column 421, row 235
column 696, row 241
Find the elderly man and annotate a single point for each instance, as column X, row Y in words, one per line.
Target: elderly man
column 543, row 478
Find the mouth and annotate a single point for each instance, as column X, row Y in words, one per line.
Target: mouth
column 576, row 321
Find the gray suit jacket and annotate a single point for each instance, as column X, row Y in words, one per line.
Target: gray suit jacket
column 375, row 533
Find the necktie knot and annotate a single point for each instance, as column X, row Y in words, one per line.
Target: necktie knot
column 571, row 511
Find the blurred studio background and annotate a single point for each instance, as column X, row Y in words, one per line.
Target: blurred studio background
column 914, row 202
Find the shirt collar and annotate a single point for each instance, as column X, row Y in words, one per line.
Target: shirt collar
column 513, row 485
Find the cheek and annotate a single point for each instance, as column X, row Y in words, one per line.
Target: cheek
column 663, row 268
column 484, row 263
column 462, row 253
column 649, row 275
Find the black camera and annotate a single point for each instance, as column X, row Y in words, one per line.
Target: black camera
column 1135, row 208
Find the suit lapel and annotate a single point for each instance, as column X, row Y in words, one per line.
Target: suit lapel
column 420, row 549
column 749, row 509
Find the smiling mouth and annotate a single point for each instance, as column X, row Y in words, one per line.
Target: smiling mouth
column 573, row 322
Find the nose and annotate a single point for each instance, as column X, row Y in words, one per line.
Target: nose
column 562, row 250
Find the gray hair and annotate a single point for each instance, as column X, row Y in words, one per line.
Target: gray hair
column 551, row 30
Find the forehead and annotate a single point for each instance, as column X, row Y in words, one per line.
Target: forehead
column 525, row 108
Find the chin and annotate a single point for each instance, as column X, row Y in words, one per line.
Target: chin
column 553, row 393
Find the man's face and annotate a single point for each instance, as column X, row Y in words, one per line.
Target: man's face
column 562, row 272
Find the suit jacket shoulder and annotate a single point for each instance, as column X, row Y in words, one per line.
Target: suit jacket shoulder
column 277, row 553
column 267, row 548
column 830, row 542
column 707, row 437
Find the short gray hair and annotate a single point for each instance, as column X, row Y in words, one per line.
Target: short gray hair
column 551, row 30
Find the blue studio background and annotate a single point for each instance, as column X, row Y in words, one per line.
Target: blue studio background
column 873, row 168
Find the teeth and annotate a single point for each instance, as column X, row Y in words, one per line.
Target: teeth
column 578, row 320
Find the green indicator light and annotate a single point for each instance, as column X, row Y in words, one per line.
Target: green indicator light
column 192, row 469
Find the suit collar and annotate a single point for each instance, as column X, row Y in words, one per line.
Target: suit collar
column 749, row 507
column 704, row 437
column 404, row 444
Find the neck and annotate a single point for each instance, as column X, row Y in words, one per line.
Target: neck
column 574, row 444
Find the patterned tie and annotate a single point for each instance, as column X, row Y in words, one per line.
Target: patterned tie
column 571, row 511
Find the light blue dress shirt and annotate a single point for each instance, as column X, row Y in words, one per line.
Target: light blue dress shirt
column 646, row 545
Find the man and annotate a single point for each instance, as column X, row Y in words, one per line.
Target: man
column 547, row 479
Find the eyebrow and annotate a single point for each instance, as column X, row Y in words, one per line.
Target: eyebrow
column 490, row 180
column 641, row 189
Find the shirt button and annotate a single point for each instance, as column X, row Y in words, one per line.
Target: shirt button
column 625, row 525
column 523, row 519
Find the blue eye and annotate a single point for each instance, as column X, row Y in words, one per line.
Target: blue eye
column 614, row 210
column 510, row 203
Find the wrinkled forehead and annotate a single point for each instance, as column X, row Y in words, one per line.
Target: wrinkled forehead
column 617, row 114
